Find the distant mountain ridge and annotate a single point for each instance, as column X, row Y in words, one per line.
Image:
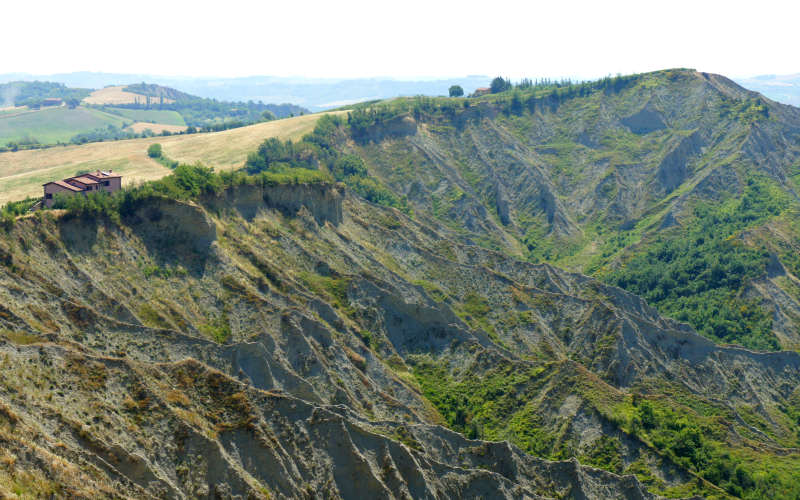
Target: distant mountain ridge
column 325, row 93
column 781, row 88
column 42, row 113
column 313, row 93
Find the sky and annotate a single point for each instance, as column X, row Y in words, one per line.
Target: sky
column 401, row 39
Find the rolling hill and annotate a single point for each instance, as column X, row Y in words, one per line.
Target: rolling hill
column 78, row 116
column 624, row 179
column 119, row 94
column 380, row 307
column 23, row 172
column 54, row 125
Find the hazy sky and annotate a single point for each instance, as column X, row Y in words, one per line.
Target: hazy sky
column 409, row 38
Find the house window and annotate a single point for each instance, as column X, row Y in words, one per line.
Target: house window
column 106, row 183
column 48, row 196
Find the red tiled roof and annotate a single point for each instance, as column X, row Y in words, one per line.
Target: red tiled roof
column 64, row 185
column 103, row 175
column 83, row 180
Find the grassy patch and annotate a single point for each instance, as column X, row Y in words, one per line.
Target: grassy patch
column 19, row 337
column 217, row 328
column 334, row 289
column 50, row 126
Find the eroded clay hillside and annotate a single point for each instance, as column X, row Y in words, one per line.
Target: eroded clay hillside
column 679, row 186
column 248, row 344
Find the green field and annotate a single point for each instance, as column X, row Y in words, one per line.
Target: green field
column 11, row 111
column 165, row 117
column 50, row 126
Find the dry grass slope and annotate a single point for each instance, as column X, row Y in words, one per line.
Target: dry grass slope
column 23, row 173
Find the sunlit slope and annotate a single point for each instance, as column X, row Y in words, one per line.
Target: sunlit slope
column 22, row 173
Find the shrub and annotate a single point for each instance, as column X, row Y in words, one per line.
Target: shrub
column 154, row 151
column 456, row 91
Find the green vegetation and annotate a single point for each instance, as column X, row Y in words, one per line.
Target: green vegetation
column 456, row 91
column 699, row 277
column 502, row 403
column 187, row 182
column 32, row 94
column 50, row 126
column 696, row 444
column 200, row 112
column 500, row 84
column 38, row 125
column 745, row 110
column 697, row 274
column 491, row 406
column 323, row 147
column 165, row 117
column 334, row 288
column 155, row 151
column 10, row 211
column 606, row 453
column 109, row 133
column 218, row 328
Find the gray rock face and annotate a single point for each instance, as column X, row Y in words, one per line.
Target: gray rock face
column 645, row 121
column 502, row 204
column 673, row 169
column 322, row 200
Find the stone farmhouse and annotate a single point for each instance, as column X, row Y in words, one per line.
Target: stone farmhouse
column 85, row 183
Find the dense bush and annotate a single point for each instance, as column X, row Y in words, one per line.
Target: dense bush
column 109, row 133
column 155, row 151
column 690, row 444
column 187, row 182
column 10, row 211
column 33, row 93
column 698, row 274
column 209, row 113
column 323, row 147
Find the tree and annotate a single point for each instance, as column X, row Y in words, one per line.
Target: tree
column 516, row 104
column 456, row 91
column 349, row 165
column 646, row 415
column 154, row 151
column 499, row 84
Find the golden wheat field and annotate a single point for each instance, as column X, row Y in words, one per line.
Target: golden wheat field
column 116, row 95
column 22, row 173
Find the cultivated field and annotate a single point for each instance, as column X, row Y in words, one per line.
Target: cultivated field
column 52, row 125
column 23, row 173
column 156, row 128
column 116, row 95
column 13, row 110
